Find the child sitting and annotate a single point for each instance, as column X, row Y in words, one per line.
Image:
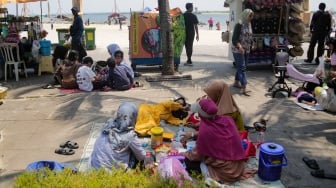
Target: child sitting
column 119, row 78
column 86, row 78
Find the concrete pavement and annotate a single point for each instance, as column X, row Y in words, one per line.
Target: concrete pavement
column 34, row 121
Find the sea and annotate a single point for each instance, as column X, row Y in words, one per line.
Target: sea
column 221, row 17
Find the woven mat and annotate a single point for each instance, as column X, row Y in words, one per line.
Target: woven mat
column 84, row 165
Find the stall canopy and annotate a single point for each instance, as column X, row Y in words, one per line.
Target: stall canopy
column 2, row 2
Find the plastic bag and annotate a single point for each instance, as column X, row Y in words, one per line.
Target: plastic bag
column 171, row 167
column 35, row 49
column 52, row 165
column 320, row 70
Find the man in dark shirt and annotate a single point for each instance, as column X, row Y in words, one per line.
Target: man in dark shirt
column 320, row 26
column 76, row 32
column 191, row 27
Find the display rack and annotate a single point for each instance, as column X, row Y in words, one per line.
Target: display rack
column 269, row 28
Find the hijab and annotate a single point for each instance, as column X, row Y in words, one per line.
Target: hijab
column 220, row 93
column 218, row 136
column 245, row 14
column 112, row 48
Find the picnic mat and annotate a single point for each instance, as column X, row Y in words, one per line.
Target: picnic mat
column 69, row 91
column 317, row 107
column 168, row 78
column 84, row 165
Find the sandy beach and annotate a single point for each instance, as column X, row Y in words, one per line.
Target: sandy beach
column 34, row 121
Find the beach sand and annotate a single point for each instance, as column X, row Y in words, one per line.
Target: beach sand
column 34, row 121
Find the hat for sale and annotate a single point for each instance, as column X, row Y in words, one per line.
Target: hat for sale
column 297, row 7
column 75, row 9
column 296, row 51
column 295, row 15
column 296, row 26
column 295, row 39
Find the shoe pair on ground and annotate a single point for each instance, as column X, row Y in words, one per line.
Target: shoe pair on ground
column 67, row 148
column 244, row 91
column 318, row 173
column 317, row 61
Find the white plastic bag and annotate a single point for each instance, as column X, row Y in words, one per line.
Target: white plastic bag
column 171, row 167
column 320, row 71
column 35, row 49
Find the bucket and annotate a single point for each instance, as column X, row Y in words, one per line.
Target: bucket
column 156, row 136
column 271, row 160
column 45, row 47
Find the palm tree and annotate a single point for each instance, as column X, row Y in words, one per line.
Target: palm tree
column 166, row 38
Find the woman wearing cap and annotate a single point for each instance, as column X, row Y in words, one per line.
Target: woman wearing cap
column 242, row 43
column 219, row 152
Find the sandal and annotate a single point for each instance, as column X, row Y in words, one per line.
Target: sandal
column 65, row 151
column 49, row 86
column 322, row 174
column 311, row 163
column 69, row 144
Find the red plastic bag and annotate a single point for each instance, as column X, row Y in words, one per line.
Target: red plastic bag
column 250, row 150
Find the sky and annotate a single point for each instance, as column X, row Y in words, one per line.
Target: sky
column 94, row 6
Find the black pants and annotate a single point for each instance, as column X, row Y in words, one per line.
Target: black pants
column 192, row 166
column 316, row 38
column 189, row 42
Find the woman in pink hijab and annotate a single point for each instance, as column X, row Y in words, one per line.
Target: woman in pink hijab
column 219, row 152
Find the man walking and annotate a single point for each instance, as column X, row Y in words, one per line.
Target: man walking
column 76, row 33
column 191, row 27
column 320, row 26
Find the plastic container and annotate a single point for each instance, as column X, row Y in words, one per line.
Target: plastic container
column 156, row 136
column 3, row 92
column 90, row 38
column 45, row 47
column 271, row 160
column 190, row 145
column 149, row 161
column 62, row 32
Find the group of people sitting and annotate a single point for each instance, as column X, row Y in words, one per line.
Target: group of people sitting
column 221, row 158
column 114, row 73
column 322, row 92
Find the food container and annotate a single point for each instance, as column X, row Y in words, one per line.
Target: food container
column 3, row 92
column 156, row 136
column 190, row 145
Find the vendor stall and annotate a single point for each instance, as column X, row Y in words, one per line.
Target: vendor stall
column 145, row 41
column 275, row 23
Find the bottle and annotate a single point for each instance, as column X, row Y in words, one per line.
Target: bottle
column 180, row 132
column 148, row 161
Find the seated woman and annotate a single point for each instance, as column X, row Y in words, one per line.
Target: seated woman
column 332, row 59
column 327, row 97
column 219, row 152
column 118, row 76
column 150, row 115
column 118, row 143
column 66, row 72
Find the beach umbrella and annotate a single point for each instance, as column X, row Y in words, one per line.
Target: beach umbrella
column 28, row 1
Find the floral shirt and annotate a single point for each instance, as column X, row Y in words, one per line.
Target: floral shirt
column 243, row 34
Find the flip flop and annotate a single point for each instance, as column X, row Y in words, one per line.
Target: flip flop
column 65, row 151
column 322, row 174
column 69, row 144
column 49, row 86
column 311, row 163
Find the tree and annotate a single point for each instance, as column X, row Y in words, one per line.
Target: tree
column 166, row 38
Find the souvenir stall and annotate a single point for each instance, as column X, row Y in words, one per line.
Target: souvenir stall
column 276, row 25
column 145, row 40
